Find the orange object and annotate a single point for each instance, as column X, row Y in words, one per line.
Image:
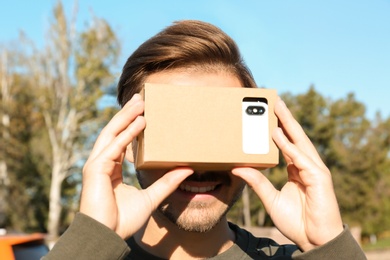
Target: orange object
column 22, row 246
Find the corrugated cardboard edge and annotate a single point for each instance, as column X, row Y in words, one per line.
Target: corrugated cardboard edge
column 138, row 158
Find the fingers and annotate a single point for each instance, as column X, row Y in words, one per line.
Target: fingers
column 167, row 184
column 125, row 115
column 293, row 130
column 110, row 147
column 259, row 183
column 114, row 150
column 109, row 160
column 309, row 170
column 288, row 122
column 289, row 150
column 121, row 121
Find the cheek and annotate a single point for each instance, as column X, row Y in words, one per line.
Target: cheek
column 236, row 187
column 236, row 181
column 230, row 192
column 147, row 178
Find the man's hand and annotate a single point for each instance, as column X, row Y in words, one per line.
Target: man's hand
column 105, row 197
column 305, row 210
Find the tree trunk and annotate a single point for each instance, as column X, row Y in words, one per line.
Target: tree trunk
column 55, row 206
column 5, row 136
column 246, row 207
column 261, row 217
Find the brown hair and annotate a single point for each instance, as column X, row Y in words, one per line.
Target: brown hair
column 184, row 44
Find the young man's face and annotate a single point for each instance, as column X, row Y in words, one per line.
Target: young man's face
column 204, row 197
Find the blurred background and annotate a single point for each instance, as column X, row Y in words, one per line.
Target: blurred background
column 60, row 61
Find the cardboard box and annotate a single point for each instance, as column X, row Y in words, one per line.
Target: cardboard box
column 203, row 127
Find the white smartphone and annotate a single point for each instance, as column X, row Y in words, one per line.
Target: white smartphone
column 255, row 129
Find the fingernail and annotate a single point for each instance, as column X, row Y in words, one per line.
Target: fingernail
column 136, row 96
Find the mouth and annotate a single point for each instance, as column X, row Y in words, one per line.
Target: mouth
column 203, row 186
column 197, row 189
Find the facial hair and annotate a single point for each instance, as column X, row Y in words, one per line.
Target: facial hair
column 198, row 216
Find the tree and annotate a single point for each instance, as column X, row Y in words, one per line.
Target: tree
column 69, row 75
column 361, row 170
column 355, row 149
column 22, row 184
column 5, row 133
column 28, row 183
column 347, row 159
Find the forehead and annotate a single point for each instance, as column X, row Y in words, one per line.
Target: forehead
column 194, row 78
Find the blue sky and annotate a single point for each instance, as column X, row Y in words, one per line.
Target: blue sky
column 338, row 46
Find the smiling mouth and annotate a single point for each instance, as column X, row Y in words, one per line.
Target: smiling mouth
column 204, row 189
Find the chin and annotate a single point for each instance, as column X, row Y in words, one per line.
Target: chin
column 197, row 219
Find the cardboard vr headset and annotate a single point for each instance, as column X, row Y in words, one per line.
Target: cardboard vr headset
column 207, row 128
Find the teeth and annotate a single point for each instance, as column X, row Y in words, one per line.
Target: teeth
column 196, row 189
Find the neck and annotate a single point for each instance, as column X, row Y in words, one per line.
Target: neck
column 164, row 239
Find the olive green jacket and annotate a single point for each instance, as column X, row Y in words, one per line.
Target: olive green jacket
column 88, row 239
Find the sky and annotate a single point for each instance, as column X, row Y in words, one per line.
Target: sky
column 339, row 47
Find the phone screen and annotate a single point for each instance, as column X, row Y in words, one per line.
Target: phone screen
column 255, row 129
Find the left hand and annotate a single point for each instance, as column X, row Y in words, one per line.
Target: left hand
column 122, row 208
column 305, row 210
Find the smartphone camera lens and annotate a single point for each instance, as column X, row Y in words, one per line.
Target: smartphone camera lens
column 255, row 110
column 261, row 110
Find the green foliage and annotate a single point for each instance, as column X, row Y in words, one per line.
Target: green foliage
column 28, row 185
column 77, row 67
column 355, row 149
column 55, row 113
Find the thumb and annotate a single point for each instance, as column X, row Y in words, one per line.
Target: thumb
column 259, row 183
column 166, row 185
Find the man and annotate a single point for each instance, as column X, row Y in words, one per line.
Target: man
column 181, row 214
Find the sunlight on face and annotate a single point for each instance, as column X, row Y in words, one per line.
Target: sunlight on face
column 189, row 210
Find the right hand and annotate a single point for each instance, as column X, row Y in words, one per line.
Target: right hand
column 305, row 210
column 105, row 197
